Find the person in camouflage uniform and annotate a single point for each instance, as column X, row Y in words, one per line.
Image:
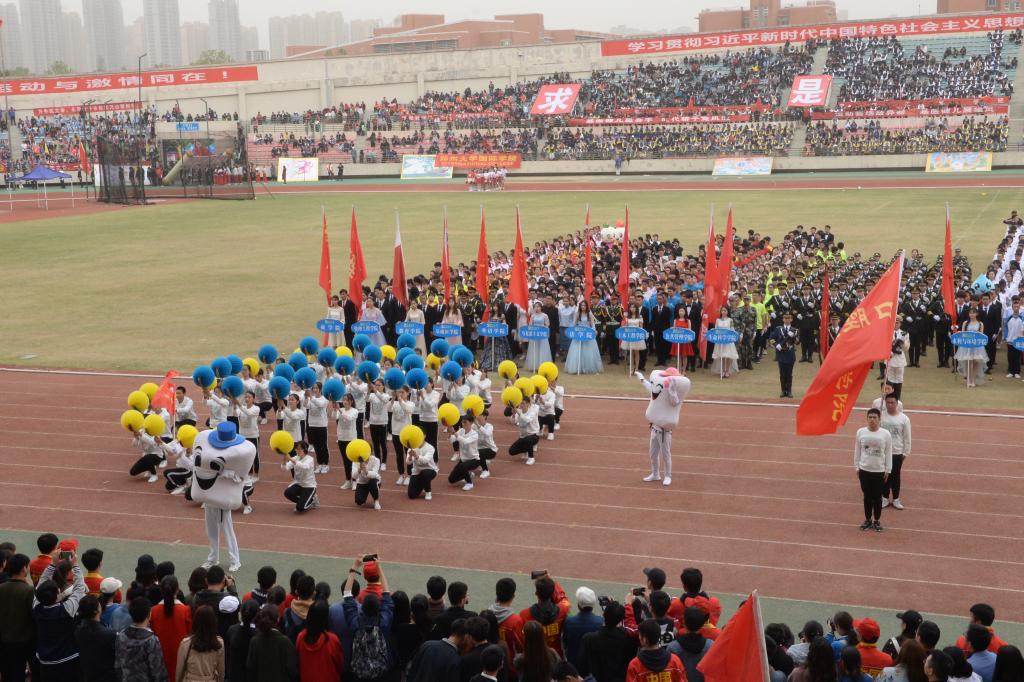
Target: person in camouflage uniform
column 745, row 319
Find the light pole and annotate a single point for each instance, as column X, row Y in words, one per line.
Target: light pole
column 207, row 104
column 139, row 76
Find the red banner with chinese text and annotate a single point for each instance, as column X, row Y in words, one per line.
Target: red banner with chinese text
column 553, row 100
column 90, row 109
column 658, row 120
column 810, row 91
column 497, row 160
column 867, row 29
column 118, row 81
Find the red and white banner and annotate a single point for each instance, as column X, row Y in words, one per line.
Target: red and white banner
column 499, row 160
column 867, row 29
column 553, row 100
column 119, row 81
column 810, row 91
column 692, row 110
column 658, row 120
column 91, row 109
column 455, row 116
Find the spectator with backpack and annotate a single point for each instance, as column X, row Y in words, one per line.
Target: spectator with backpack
column 691, row 646
column 295, row 615
column 371, row 628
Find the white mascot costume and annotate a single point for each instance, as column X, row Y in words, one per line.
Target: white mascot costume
column 668, row 389
column 222, row 460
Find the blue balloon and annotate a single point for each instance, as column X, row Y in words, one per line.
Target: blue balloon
column 373, row 353
column 334, row 389
column 236, row 363
column 417, row 378
column 305, row 378
column 221, row 367
column 463, row 356
column 360, row 341
column 412, row 362
column 280, row 387
column 297, row 361
column 285, row 370
column 344, row 364
column 326, row 357
column 267, row 353
column 203, row 376
column 369, row 371
column 453, row 349
column 451, row 370
column 402, row 354
column 406, row 341
column 439, row 348
column 309, row 345
column 394, row 378
column 233, row 387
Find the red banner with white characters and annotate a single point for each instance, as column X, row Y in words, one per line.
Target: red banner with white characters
column 89, row 108
column 810, row 91
column 553, row 100
column 777, row 36
column 658, row 120
column 499, row 160
column 118, row 81
column 695, row 110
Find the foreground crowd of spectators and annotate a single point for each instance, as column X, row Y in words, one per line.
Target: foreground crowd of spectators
column 62, row 619
column 835, row 138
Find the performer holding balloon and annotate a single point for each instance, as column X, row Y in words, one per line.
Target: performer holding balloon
column 293, row 416
column 365, row 472
column 469, row 458
column 302, row 490
column 486, row 446
column 402, row 409
column 378, row 401
column 179, row 478
column 248, row 415
column 427, row 403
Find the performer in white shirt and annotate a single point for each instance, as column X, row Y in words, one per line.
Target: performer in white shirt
column 897, row 423
column 872, row 458
column 302, row 490
column 184, row 410
column 422, row 470
column 366, row 476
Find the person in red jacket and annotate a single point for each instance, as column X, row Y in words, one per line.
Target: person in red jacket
column 693, row 595
column 510, row 625
column 654, row 663
column 548, row 613
column 47, row 544
column 637, row 609
column 872, row 658
column 318, row 649
column 985, row 615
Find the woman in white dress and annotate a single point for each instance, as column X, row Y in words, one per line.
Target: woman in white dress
column 335, row 312
column 633, row 348
column 725, row 356
column 539, row 350
column 416, row 315
column 452, row 315
column 584, row 357
column 972, row 361
column 371, row 313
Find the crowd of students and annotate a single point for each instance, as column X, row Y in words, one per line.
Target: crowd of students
column 872, row 137
column 666, row 142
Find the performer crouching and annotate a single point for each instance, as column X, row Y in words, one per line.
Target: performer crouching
column 525, row 417
column 302, row 491
column 422, row 470
column 469, row 459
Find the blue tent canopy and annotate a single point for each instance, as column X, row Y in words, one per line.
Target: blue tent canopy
column 41, row 174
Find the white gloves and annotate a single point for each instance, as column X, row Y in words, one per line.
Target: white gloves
column 778, row 347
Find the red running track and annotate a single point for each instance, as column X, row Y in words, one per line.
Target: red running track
column 752, row 504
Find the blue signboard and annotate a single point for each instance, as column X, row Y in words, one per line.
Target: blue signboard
column 366, row 327
column 969, row 339
column 534, row 332
column 581, row 332
column 414, row 328
column 492, row 329
column 678, row 335
column 1018, row 343
column 446, row 331
column 723, row 335
column 631, row 334
column 329, row 326
column 188, row 127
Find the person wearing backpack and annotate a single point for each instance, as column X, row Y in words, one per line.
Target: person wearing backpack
column 691, row 646
column 371, row 628
column 295, row 615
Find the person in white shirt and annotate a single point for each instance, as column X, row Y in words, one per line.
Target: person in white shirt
column 152, row 456
column 525, row 417
column 346, row 416
column 401, row 416
column 357, row 388
column 486, row 445
column 480, row 384
column 179, row 477
column 218, row 406
column 872, row 458
column 316, row 426
column 302, row 490
column 879, row 403
column 378, row 401
column 293, row 415
column 184, row 410
column 263, row 398
column 248, row 414
column 559, row 392
column 1013, row 329
column 546, row 412
column 366, row 477
column 422, row 470
column 898, row 425
column 467, row 438
column 427, row 401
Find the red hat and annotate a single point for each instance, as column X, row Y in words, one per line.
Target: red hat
column 69, row 545
column 868, row 629
column 371, row 571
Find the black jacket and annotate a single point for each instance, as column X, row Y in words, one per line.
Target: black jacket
column 606, row 654
column 443, row 623
column 436, row 661
column 96, row 647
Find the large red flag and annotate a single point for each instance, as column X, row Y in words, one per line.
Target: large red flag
column 83, row 157
column 624, row 267
column 586, row 218
column 398, row 284
column 325, row 259
column 483, row 269
column 446, row 272
column 518, row 292
column 825, row 312
column 866, row 337
column 356, row 265
column 164, row 396
column 710, row 307
column 739, row 653
column 724, row 265
column 588, row 271
column 948, row 292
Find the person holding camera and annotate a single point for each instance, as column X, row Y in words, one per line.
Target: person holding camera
column 55, row 616
column 784, row 338
column 895, row 368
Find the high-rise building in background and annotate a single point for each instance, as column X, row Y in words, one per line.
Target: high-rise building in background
column 296, row 29
column 42, row 23
column 10, row 36
column 75, row 50
column 226, row 28
column 163, row 33
column 362, row 29
column 250, row 41
column 195, row 39
column 104, row 32
column 134, row 42
column 331, row 28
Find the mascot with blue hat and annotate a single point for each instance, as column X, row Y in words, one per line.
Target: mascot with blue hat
column 222, row 459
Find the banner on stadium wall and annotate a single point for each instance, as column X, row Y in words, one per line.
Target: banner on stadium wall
column 118, row 81
column 743, row 165
column 555, row 100
column 810, row 91
column 497, row 160
column 658, row 120
column 421, row 167
column 867, row 29
column 959, row 162
column 89, row 109
column 298, row 169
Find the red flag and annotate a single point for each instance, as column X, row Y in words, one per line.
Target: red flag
column 83, row 157
column 586, row 219
column 725, row 265
column 710, row 307
column 446, row 275
column 739, row 653
column 164, row 396
column 624, row 267
column 356, row 265
column 483, row 269
column 948, row 293
column 865, row 338
column 588, row 272
column 518, row 292
column 398, row 285
column 825, row 311
column 325, row 259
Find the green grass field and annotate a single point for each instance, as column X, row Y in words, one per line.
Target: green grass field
column 170, row 286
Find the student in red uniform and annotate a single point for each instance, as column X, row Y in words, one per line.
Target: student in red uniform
column 872, row 658
column 985, row 615
column 371, row 571
column 92, row 561
column 693, row 595
column 510, row 625
column 549, row 614
column 653, row 662
column 47, row 544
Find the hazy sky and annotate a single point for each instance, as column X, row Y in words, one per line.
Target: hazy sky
column 601, row 16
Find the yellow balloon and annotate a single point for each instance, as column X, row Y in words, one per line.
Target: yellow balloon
column 138, row 400
column 388, row 352
column 132, row 420
column 540, row 384
column 473, row 404
column 187, row 435
column 149, row 388
column 282, row 442
column 344, row 350
column 512, row 396
column 548, row 370
column 449, row 414
column 254, row 366
column 507, row 369
column 411, row 436
column 213, row 385
column 526, row 386
column 357, row 450
column 433, row 362
column 154, row 424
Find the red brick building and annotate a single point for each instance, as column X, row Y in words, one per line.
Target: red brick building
column 768, row 14
column 973, row 6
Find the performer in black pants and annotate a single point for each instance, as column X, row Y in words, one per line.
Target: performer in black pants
column 872, row 457
column 784, row 339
